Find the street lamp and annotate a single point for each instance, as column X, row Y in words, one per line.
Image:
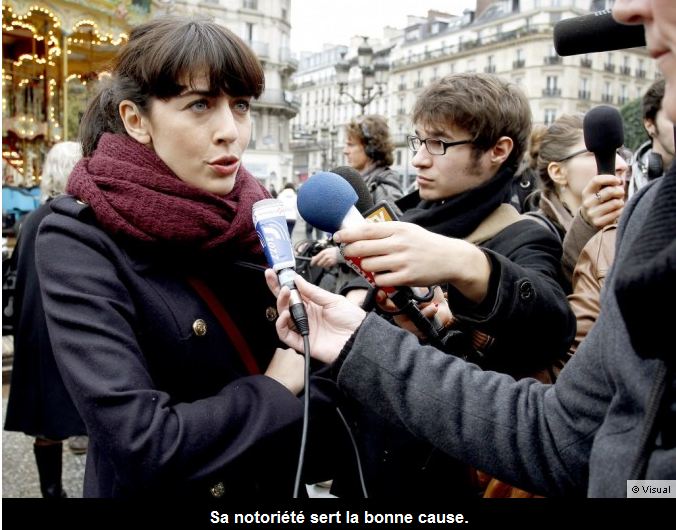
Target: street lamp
column 372, row 75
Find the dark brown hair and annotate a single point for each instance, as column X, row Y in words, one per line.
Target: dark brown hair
column 374, row 134
column 483, row 105
column 161, row 55
column 652, row 100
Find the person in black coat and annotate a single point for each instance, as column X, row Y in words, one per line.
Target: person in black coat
column 506, row 309
column 38, row 403
column 152, row 280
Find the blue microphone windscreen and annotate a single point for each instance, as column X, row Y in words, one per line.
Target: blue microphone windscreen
column 324, row 201
column 603, row 129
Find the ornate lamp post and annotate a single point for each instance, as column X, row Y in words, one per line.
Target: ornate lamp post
column 373, row 76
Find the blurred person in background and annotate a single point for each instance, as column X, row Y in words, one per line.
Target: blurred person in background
column 39, row 404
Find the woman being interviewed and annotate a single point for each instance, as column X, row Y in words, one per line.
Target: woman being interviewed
column 136, row 262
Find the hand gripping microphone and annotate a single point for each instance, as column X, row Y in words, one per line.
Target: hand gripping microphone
column 603, row 136
column 327, row 201
column 596, row 32
column 272, row 230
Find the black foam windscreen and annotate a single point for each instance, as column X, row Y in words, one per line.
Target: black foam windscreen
column 603, row 129
column 354, row 179
column 596, row 32
column 603, row 136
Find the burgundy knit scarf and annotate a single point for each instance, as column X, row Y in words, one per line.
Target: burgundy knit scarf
column 135, row 195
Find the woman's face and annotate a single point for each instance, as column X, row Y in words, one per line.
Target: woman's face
column 580, row 169
column 201, row 136
column 659, row 19
column 356, row 156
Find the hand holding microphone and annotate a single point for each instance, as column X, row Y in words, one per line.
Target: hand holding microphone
column 332, row 319
column 603, row 197
column 270, row 222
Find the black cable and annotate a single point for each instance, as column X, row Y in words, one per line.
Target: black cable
column 356, row 454
column 306, row 416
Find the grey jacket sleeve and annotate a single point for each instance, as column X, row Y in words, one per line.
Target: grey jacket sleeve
column 531, row 435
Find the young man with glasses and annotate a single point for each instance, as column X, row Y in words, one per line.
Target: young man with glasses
column 509, row 313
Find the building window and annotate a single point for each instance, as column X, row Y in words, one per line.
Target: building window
column 248, row 31
column 250, row 4
column 550, row 116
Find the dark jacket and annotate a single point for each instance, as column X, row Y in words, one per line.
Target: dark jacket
column 38, row 403
column 582, row 436
column 169, row 405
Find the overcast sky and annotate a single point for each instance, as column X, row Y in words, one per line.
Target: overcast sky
column 315, row 22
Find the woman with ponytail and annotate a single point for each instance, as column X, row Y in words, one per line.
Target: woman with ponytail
column 152, row 279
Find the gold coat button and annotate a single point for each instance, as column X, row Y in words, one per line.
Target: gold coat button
column 218, row 490
column 199, row 327
column 271, row 313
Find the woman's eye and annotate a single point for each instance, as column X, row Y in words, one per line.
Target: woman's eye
column 199, row 105
column 242, row 106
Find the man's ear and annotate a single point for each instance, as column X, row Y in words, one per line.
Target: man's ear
column 557, row 173
column 135, row 123
column 501, row 150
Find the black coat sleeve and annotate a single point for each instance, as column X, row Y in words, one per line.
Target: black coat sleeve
column 526, row 310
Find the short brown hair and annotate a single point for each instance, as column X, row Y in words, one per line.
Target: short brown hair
column 160, row 55
column 483, row 105
column 374, row 134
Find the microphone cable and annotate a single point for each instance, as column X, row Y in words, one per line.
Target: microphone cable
column 300, row 319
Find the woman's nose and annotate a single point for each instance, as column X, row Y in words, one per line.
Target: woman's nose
column 225, row 128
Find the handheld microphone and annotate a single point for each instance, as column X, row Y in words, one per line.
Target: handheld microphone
column 354, row 179
column 273, row 233
column 339, row 212
column 596, row 32
column 603, row 136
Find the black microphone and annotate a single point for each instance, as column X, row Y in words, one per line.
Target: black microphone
column 354, row 179
column 603, row 136
column 596, row 32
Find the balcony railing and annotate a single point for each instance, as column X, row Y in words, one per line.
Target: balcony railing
column 519, row 63
column 607, row 98
column 625, row 70
column 551, row 92
column 401, row 86
column 490, row 69
column 401, row 112
column 553, row 59
column 622, row 100
column 583, row 94
column 448, row 51
column 640, row 74
column 586, row 63
column 418, row 84
column 608, row 67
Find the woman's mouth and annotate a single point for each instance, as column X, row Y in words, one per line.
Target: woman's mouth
column 225, row 166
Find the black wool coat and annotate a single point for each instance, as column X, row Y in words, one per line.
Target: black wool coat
column 170, row 408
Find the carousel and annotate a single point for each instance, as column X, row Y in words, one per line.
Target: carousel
column 54, row 55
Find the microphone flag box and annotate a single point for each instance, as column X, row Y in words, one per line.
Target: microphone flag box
column 273, row 233
column 380, row 213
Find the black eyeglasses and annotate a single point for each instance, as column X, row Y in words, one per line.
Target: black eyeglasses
column 572, row 155
column 582, row 152
column 434, row 145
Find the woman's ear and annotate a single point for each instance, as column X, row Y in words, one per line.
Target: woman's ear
column 135, row 123
column 557, row 173
column 501, row 150
column 649, row 126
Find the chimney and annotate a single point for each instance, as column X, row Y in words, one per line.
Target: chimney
column 481, row 6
